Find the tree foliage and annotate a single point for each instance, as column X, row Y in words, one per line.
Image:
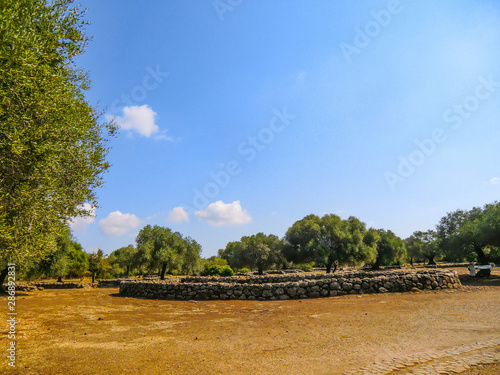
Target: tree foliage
column 52, row 146
column 470, row 234
column 424, row 244
column 259, row 251
column 298, row 241
column 330, row 241
column 391, row 249
column 158, row 248
column 68, row 259
column 345, row 242
column 124, row 259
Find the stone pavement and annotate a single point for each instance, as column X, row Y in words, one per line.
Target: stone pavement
column 449, row 361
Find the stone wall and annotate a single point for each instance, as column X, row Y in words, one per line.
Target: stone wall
column 49, row 285
column 115, row 283
column 301, row 286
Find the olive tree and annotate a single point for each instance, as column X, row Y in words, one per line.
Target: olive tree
column 52, row 144
column 159, row 248
column 474, row 236
column 390, row 249
column 331, row 241
column 259, row 251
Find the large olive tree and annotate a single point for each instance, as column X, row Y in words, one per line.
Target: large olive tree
column 52, row 145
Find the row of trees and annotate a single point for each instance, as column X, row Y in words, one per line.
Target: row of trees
column 330, row 241
column 461, row 235
column 327, row 241
column 159, row 250
column 69, row 260
column 53, row 150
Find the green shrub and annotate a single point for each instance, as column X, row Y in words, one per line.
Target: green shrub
column 226, row 271
column 245, row 270
column 211, row 270
column 304, row 266
column 217, row 270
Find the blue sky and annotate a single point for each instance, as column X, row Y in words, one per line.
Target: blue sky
column 241, row 117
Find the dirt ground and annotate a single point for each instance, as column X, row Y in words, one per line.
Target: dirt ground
column 95, row 331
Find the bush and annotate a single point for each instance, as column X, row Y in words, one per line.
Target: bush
column 304, row 266
column 216, row 270
column 245, row 270
column 226, row 271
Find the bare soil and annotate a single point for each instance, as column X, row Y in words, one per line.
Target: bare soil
column 95, row 331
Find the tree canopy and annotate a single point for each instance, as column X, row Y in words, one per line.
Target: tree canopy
column 470, row 234
column 331, row 241
column 424, row 244
column 390, row 249
column 125, row 258
column 68, row 259
column 52, row 145
column 259, row 251
column 160, row 248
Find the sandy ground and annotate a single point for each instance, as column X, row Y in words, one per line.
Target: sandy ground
column 95, row 331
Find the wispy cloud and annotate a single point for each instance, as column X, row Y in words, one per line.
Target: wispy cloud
column 221, row 214
column 495, row 180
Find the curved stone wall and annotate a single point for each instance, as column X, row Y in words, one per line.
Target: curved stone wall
column 49, row 285
column 114, row 283
column 290, row 286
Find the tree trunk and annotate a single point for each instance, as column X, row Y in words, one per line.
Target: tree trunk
column 3, row 275
column 431, row 260
column 93, row 277
column 329, row 266
column 59, row 279
column 128, row 270
column 163, row 271
column 482, row 260
column 335, row 264
column 481, row 256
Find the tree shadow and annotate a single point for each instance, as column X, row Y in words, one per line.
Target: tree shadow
column 467, row 280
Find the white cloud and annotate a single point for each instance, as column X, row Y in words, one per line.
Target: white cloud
column 140, row 119
column 178, row 215
column 220, row 213
column 117, row 223
column 495, row 180
column 79, row 223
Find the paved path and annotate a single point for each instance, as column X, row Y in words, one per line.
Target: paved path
column 450, row 361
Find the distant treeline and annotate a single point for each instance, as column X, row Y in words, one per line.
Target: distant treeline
column 313, row 241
